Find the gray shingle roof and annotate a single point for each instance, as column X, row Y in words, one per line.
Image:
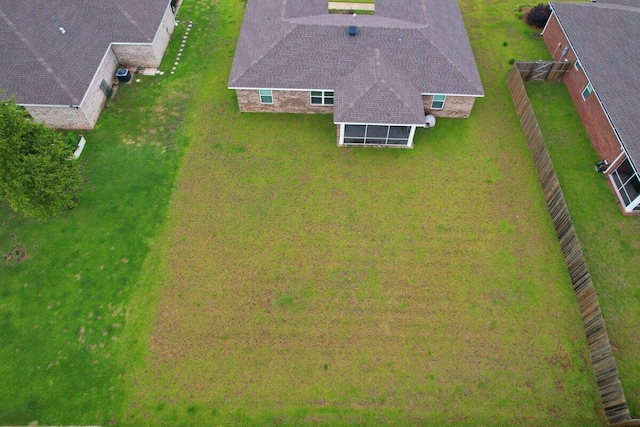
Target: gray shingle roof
column 40, row 65
column 297, row 44
column 606, row 38
column 372, row 83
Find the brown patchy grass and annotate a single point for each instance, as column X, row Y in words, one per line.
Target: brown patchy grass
column 305, row 284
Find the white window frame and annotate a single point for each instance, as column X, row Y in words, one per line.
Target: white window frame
column 263, row 93
column 434, row 100
column 577, row 65
column 620, row 188
column 412, row 130
column 324, row 96
column 589, row 88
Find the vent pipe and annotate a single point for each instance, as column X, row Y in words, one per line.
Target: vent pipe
column 353, row 30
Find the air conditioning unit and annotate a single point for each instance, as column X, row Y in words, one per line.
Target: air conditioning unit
column 602, row 166
column 123, row 75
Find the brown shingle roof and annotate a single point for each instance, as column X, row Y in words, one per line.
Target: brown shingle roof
column 40, row 65
column 297, row 44
column 606, row 39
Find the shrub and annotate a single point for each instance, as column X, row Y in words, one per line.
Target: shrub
column 71, row 140
column 517, row 10
column 539, row 15
column 37, row 176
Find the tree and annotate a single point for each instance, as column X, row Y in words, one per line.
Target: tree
column 539, row 15
column 38, row 176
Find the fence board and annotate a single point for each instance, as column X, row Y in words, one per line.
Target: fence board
column 602, row 360
column 542, row 70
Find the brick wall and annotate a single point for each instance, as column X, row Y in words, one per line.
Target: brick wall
column 163, row 36
column 130, row 55
column 454, row 106
column 595, row 121
column 147, row 55
column 94, row 100
column 60, row 117
column 284, row 101
column 86, row 116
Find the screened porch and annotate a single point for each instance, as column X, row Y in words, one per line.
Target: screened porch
column 376, row 135
column 627, row 184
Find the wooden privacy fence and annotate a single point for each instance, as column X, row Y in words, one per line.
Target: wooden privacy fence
column 612, row 395
column 542, row 70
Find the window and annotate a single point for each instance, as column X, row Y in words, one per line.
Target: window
column 376, row 135
column 628, row 185
column 437, row 103
column 266, row 96
column 577, row 65
column 322, row 97
column 587, row 91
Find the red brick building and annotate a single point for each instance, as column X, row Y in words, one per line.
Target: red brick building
column 602, row 41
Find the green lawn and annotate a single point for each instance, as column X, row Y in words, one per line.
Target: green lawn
column 284, row 281
column 610, row 240
column 306, row 284
column 64, row 308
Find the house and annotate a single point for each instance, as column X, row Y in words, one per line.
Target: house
column 602, row 40
column 377, row 74
column 58, row 58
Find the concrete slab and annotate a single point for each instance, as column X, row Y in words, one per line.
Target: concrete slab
column 149, row 71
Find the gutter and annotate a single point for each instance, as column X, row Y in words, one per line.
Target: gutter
column 584, row 70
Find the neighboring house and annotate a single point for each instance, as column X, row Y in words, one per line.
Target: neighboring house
column 58, row 58
column 602, row 40
column 410, row 58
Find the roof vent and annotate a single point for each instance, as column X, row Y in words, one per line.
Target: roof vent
column 352, row 31
column 62, row 30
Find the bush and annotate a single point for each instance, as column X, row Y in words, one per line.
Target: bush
column 517, row 10
column 71, row 140
column 37, row 176
column 539, row 15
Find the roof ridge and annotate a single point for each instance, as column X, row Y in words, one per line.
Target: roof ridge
column 338, row 20
column 363, row 92
column 392, row 87
column 269, row 49
column 39, row 58
column 132, row 21
column 380, row 65
column 450, row 61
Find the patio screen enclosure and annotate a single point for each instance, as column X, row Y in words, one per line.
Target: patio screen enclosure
column 628, row 186
column 377, row 135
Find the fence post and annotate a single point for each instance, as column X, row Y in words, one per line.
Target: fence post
column 603, row 362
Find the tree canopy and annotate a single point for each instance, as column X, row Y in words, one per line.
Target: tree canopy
column 38, row 176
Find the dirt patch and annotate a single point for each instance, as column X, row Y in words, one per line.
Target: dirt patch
column 521, row 12
column 16, row 255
